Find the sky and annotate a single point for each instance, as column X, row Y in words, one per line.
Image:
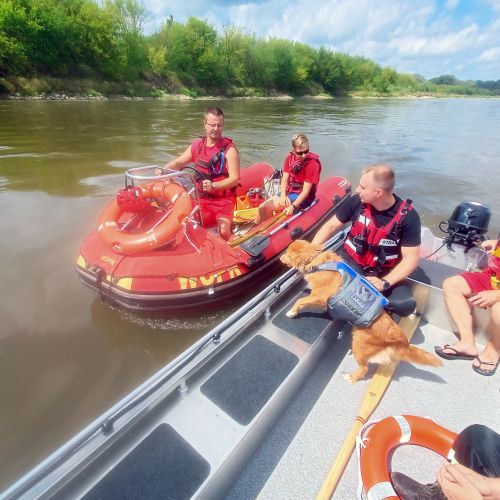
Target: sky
column 426, row 37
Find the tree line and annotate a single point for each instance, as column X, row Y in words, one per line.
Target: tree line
column 104, row 42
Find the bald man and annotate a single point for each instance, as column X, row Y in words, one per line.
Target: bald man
column 384, row 241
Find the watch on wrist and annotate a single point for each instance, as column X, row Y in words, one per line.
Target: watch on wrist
column 385, row 285
column 213, row 186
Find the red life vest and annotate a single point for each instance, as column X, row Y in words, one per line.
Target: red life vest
column 211, row 162
column 295, row 167
column 494, row 267
column 372, row 246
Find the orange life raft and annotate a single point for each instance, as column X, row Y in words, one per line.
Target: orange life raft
column 111, row 232
column 384, row 436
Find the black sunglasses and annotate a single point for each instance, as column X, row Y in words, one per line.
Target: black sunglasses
column 302, row 153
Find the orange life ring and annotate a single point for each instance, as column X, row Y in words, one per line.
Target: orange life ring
column 390, row 432
column 128, row 243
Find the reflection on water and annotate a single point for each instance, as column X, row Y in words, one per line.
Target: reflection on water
column 65, row 356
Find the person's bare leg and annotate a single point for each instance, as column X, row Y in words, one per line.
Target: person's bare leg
column 224, row 226
column 266, row 210
column 456, row 292
column 491, row 352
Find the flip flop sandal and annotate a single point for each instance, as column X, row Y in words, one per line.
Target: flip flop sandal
column 481, row 371
column 453, row 355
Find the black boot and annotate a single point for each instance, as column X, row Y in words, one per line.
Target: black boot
column 409, row 489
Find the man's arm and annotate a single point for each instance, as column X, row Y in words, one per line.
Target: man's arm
column 409, row 262
column 306, row 189
column 180, row 161
column 330, row 227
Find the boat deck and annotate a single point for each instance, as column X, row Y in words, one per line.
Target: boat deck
column 297, row 456
column 454, row 396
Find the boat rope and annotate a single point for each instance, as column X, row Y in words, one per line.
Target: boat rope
column 360, row 443
column 195, row 226
column 445, row 242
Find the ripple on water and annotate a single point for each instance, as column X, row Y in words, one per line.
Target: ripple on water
column 125, row 164
column 173, row 322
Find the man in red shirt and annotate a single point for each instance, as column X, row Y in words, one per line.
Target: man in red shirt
column 301, row 173
column 217, row 158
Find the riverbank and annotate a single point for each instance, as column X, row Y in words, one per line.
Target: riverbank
column 180, row 97
column 49, row 88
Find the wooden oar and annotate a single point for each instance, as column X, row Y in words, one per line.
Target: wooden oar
column 257, row 231
column 371, row 399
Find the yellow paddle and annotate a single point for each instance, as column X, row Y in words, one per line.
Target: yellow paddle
column 245, row 215
column 260, row 229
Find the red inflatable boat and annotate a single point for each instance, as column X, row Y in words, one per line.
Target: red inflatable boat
column 150, row 250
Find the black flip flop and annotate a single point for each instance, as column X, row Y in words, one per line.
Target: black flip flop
column 486, row 373
column 454, row 355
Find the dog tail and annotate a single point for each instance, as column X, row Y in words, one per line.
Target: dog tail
column 413, row 354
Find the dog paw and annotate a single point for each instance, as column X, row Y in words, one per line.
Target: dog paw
column 291, row 314
column 347, row 376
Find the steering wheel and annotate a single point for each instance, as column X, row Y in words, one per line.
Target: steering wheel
column 198, row 176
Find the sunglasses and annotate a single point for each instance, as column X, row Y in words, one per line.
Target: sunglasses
column 302, row 153
column 214, row 125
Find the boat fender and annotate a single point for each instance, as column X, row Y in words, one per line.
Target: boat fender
column 377, row 441
column 358, row 301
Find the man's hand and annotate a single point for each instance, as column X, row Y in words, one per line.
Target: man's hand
column 485, row 299
column 488, row 244
column 376, row 282
column 460, row 483
column 207, row 186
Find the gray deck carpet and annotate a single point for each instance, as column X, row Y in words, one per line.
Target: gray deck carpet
column 246, row 382
column 163, row 466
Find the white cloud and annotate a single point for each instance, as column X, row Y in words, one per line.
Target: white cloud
column 450, row 43
column 490, row 55
column 426, row 37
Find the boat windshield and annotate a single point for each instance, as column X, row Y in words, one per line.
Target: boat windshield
column 151, row 173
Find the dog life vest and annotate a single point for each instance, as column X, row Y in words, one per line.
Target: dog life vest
column 211, row 162
column 372, row 246
column 358, row 301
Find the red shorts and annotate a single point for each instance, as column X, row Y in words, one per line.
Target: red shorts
column 478, row 282
column 213, row 209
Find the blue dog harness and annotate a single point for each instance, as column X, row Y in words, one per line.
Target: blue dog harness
column 358, row 301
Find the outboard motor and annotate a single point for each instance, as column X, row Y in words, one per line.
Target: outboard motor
column 467, row 225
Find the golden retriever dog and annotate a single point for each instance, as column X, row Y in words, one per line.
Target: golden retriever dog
column 383, row 342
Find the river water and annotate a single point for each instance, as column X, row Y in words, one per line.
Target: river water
column 64, row 356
